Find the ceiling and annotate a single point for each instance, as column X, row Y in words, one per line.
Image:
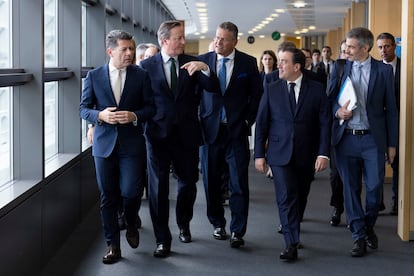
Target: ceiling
column 278, row 15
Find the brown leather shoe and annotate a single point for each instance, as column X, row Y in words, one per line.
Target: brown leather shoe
column 112, row 255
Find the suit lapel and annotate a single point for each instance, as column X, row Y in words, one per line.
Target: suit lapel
column 107, row 88
column 372, row 78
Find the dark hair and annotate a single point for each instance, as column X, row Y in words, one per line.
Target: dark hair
column 272, row 54
column 297, row 56
column 231, row 27
column 387, row 36
column 164, row 31
column 113, row 36
column 327, row 47
column 363, row 35
column 307, row 51
column 316, row 51
column 284, row 45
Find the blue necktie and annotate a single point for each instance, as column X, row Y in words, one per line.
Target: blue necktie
column 222, row 75
column 222, row 78
column 292, row 98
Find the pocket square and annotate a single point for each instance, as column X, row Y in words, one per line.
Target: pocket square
column 242, row 75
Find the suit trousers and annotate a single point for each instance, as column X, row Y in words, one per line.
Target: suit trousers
column 214, row 157
column 292, row 185
column 120, row 180
column 358, row 156
column 184, row 158
column 337, row 195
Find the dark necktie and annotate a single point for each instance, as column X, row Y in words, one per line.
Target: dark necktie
column 292, row 98
column 173, row 74
column 328, row 70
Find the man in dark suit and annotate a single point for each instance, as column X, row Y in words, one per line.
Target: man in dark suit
column 308, row 74
column 386, row 47
column 173, row 135
column 362, row 137
column 226, row 120
column 294, row 117
column 117, row 99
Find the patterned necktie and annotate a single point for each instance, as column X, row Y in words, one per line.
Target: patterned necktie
column 117, row 87
column 223, row 75
column 173, row 74
column 292, row 98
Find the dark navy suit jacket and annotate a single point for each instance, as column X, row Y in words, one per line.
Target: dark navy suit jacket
column 136, row 97
column 381, row 105
column 182, row 109
column 304, row 133
column 240, row 100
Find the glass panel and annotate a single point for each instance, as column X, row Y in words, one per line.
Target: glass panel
column 51, row 88
column 51, row 119
column 5, row 94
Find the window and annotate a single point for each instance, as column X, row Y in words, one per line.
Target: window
column 5, row 95
column 51, row 89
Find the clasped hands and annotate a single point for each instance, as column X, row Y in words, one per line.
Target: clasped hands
column 111, row 116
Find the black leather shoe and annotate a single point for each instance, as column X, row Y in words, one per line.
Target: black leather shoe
column 279, row 229
column 219, row 233
column 185, row 235
column 162, row 250
column 132, row 236
column 336, row 217
column 112, row 255
column 290, row 253
column 359, row 249
column 371, row 239
column 236, row 241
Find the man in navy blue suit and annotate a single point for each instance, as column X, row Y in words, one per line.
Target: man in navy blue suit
column 173, row 134
column 366, row 137
column 226, row 120
column 386, row 47
column 117, row 99
column 294, row 118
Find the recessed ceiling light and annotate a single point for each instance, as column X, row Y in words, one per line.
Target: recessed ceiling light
column 299, row 4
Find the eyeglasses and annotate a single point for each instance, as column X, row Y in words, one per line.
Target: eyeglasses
column 222, row 39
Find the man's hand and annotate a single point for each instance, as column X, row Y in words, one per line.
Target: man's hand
column 194, row 66
column 111, row 116
column 260, row 164
column 391, row 155
column 89, row 135
column 343, row 113
column 108, row 115
column 321, row 164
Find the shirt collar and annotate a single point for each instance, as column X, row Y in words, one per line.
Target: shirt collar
column 231, row 56
column 364, row 63
column 166, row 58
column 112, row 68
column 392, row 62
column 298, row 81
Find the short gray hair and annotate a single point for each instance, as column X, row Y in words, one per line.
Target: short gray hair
column 363, row 35
column 164, row 31
column 113, row 36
